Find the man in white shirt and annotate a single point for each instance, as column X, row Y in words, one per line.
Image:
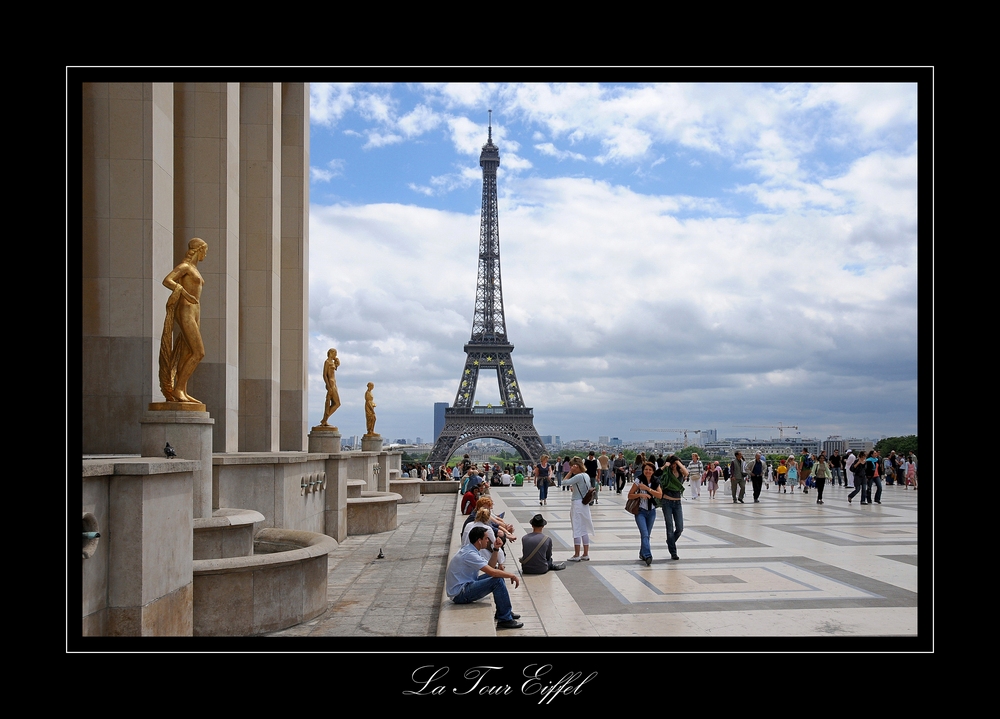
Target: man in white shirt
column 464, row 584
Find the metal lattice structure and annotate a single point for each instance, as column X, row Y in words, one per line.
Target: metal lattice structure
column 489, row 348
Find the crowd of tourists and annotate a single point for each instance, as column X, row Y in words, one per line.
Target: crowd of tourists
column 655, row 482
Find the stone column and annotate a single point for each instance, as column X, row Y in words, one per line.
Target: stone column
column 206, row 205
column 294, row 264
column 190, row 434
column 128, row 147
column 260, row 266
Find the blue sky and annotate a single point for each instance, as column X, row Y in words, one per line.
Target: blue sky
column 686, row 255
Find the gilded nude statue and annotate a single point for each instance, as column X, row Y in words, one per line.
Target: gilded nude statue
column 332, row 403
column 370, row 409
column 180, row 358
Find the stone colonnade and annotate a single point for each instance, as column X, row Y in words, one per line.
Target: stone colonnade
column 226, row 162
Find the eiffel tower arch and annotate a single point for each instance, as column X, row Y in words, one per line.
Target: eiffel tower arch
column 489, row 348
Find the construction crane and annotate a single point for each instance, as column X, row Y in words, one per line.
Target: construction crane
column 684, row 431
column 780, row 427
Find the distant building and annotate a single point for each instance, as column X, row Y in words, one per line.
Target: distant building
column 834, row 443
column 439, row 408
column 615, row 442
column 603, row 440
column 708, row 435
column 856, row 444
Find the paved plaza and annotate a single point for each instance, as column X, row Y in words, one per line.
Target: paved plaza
column 785, row 567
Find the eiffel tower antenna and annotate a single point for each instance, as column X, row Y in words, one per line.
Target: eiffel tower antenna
column 488, row 348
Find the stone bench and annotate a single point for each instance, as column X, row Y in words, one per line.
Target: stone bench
column 355, row 487
column 372, row 512
column 464, row 620
column 227, row 533
column 436, row 486
column 408, row 489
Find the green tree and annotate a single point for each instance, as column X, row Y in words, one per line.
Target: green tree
column 902, row 445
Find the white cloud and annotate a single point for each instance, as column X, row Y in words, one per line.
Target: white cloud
column 377, row 139
column 466, row 135
column 869, row 106
column 334, row 168
column 514, row 163
column 418, row 121
column 547, row 148
column 466, row 94
column 320, row 175
column 328, row 102
column 376, row 107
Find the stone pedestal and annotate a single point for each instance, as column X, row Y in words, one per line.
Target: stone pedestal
column 371, row 443
column 324, row 439
column 139, row 582
column 190, row 434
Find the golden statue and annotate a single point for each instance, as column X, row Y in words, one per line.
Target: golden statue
column 332, row 403
column 370, row 409
column 179, row 359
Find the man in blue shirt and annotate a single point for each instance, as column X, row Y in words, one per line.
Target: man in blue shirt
column 464, row 584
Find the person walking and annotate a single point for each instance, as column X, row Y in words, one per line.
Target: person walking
column 737, row 477
column 619, row 467
column 857, row 468
column 911, row 470
column 542, row 471
column 837, row 468
column 647, row 490
column 712, row 479
column 793, row 472
column 695, row 470
column 672, row 482
column 805, row 471
column 757, row 476
column 579, row 513
column 821, row 473
column 604, row 467
column 873, row 475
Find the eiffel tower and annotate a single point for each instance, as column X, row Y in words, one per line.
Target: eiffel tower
column 489, row 348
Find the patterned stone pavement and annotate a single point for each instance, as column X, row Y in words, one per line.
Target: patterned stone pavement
column 785, row 567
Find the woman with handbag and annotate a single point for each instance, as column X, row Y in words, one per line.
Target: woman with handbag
column 542, row 471
column 579, row 513
column 712, row 478
column 642, row 503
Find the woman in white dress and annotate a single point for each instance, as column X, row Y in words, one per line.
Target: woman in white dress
column 579, row 513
